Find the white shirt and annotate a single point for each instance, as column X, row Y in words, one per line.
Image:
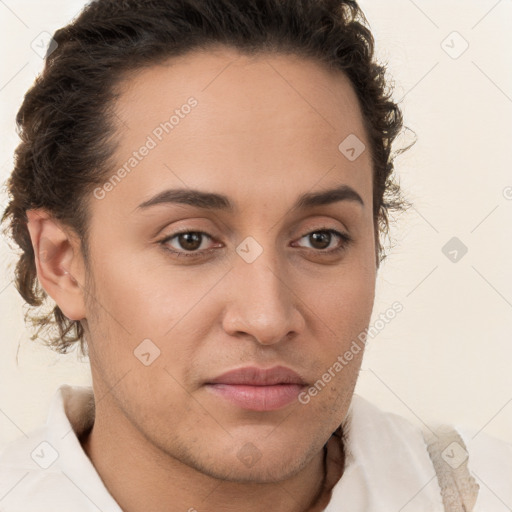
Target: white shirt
column 387, row 466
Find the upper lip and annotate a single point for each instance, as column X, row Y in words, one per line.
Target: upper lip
column 252, row 375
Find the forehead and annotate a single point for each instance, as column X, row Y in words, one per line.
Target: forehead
column 278, row 87
column 268, row 121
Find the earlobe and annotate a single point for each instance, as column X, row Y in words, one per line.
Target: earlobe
column 58, row 263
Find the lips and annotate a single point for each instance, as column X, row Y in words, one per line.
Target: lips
column 257, row 389
column 253, row 376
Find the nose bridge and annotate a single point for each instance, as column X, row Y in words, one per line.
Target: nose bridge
column 262, row 303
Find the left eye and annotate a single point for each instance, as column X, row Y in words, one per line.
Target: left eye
column 322, row 238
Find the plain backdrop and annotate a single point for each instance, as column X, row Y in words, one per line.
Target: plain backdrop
column 447, row 356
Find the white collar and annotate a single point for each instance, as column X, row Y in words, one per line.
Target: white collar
column 387, row 465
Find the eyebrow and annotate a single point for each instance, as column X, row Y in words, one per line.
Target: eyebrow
column 214, row 201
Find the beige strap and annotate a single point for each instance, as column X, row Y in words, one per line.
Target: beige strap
column 449, row 456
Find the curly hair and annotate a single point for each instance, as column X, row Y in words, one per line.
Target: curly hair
column 66, row 123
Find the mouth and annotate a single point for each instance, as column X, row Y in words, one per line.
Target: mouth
column 258, row 389
column 257, row 398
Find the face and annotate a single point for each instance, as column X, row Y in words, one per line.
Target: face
column 183, row 291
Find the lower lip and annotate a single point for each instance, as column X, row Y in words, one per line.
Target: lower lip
column 257, row 398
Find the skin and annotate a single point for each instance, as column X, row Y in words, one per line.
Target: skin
column 266, row 130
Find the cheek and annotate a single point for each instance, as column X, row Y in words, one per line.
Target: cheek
column 142, row 295
column 342, row 312
column 347, row 297
column 343, row 308
column 174, row 308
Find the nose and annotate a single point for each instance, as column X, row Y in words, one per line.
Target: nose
column 262, row 302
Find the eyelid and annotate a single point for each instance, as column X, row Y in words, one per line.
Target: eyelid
column 342, row 235
column 345, row 238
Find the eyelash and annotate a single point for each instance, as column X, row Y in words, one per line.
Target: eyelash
column 347, row 240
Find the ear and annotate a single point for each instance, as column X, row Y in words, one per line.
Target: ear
column 59, row 262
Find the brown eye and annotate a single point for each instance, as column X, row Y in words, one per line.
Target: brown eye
column 190, row 241
column 186, row 243
column 321, row 239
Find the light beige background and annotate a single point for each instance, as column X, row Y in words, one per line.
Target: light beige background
column 448, row 355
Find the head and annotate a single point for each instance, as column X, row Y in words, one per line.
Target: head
column 262, row 106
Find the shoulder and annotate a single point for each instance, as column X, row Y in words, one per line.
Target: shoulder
column 490, row 463
column 368, row 423
column 404, row 444
column 387, row 466
column 47, row 469
column 30, row 476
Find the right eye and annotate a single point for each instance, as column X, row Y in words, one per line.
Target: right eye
column 190, row 242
